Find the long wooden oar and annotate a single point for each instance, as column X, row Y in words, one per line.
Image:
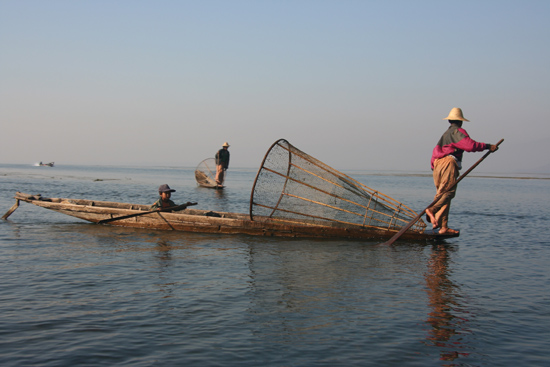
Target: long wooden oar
column 412, row 222
column 172, row 208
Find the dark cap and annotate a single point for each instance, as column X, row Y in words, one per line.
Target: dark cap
column 165, row 188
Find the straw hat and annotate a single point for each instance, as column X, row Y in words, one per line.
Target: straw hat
column 455, row 114
column 225, row 145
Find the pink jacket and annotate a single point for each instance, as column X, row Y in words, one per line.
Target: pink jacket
column 455, row 141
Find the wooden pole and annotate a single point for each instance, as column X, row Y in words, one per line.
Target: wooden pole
column 411, row 223
column 12, row 209
column 177, row 207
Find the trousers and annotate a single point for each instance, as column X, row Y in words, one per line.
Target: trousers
column 220, row 173
column 445, row 175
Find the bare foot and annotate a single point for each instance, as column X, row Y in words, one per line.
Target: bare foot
column 448, row 230
column 433, row 221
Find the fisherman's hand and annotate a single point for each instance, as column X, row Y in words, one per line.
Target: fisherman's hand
column 492, row 147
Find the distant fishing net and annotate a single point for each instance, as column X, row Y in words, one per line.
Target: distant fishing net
column 293, row 187
column 205, row 173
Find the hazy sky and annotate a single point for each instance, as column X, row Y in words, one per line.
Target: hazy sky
column 357, row 84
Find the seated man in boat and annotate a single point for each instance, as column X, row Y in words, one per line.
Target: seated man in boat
column 164, row 200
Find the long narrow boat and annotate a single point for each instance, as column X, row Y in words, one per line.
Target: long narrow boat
column 204, row 221
column 293, row 195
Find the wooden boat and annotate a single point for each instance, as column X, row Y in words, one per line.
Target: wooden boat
column 204, row 221
column 293, row 195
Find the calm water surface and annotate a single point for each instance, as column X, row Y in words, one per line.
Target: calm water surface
column 74, row 293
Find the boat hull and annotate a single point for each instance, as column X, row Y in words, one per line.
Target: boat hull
column 208, row 186
column 203, row 221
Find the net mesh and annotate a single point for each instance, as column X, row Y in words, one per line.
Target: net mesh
column 205, row 173
column 292, row 186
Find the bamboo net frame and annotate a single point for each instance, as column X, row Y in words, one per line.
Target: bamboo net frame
column 205, row 173
column 296, row 188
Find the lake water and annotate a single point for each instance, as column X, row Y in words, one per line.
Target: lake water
column 75, row 293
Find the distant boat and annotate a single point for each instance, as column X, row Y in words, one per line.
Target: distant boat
column 46, row 164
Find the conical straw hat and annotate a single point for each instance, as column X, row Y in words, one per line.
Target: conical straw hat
column 455, row 114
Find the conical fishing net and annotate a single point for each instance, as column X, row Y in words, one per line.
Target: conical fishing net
column 292, row 186
column 205, row 173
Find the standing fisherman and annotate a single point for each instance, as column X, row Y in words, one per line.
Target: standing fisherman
column 446, row 162
column 222, row 163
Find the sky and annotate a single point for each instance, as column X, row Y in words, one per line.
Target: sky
column 357, row 84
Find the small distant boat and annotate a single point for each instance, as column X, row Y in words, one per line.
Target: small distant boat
column 46, row 164
column 205, row 174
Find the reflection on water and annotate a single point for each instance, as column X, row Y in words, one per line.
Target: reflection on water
column 314, row 292
column 447, row 327
column 164, row 254
column 164, row 261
